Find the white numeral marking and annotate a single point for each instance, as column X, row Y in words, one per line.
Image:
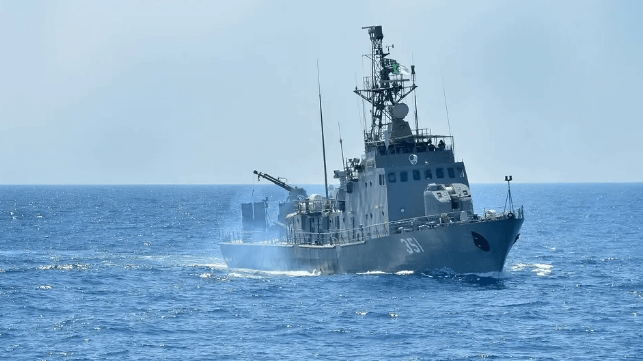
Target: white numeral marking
column 419, row 245
column 412, row 245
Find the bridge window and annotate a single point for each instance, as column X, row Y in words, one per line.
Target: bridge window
column 451, row 172
column 439, row 172
column 416, row 174
column 381, row 178
column 391, row 177
column 404, row 176
column 460, row 172
column 428, row 174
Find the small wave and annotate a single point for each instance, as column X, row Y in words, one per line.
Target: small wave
column 541, row 269
column 485, row 279
column 404, row 273
column 64, row 267
column 293, row 273
column 373, row 273
column 340, row 330
column 45, row 287
column 250, row 273
column 608, row 259
column 242, row 275
column 216, row 266
column 498, row 275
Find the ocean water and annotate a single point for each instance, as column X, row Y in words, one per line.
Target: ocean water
column 135, row 273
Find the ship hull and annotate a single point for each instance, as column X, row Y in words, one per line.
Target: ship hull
column 468, row 247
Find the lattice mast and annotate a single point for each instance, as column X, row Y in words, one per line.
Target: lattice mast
column 386, row 86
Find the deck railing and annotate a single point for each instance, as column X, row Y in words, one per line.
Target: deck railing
column 313, row 206
column 363, row 233
column 419, row 136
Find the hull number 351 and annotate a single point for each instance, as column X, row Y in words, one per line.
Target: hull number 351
column 412, row 245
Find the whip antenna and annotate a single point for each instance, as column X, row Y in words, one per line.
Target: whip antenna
column 415, row 100
column 341, row 145
column 321, row 118
column 446, row 107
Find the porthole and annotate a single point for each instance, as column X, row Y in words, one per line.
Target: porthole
column 402, row 210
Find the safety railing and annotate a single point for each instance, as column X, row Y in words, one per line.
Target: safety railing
column 313, row 206
column 419, row 136
column 364, row 233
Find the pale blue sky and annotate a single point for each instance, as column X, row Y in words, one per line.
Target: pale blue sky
column 206, row 92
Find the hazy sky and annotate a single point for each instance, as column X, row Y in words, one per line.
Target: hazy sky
column 105, row 92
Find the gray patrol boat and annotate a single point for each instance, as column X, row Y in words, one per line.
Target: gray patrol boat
column 404, row 205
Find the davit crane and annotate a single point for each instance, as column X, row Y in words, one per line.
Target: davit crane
column 294, row 193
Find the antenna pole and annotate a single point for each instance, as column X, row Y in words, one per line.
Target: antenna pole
column 415, row 101
column 508, row 179
column 446, row 107
column 321, row 118
column 341, row 145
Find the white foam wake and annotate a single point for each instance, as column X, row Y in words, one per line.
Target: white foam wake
column 541, row 269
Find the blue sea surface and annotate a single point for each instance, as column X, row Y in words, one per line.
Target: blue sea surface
column 135, row 273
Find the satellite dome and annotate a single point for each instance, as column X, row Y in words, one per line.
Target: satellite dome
column 400, row 110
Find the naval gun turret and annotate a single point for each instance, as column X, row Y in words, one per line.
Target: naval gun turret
column 448, row 199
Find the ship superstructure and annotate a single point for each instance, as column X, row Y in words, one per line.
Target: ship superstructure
column 405, row 204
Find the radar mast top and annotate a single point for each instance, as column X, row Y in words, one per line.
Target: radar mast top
column 385, row 88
